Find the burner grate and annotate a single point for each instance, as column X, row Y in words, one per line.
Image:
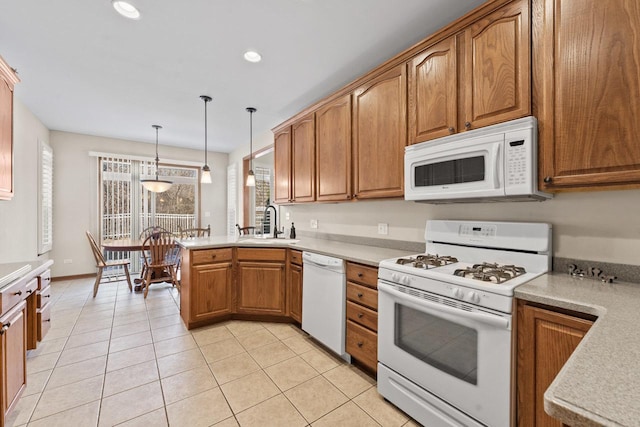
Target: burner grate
column 427, row 261
column 490, row 272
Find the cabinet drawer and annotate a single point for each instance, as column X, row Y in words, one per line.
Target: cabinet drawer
column 44, row 296
column 261, row 254
column 31, row 287
column 44, row 280
column 12, row 294
column 362, row 344
column 296, row 257
column 362, row 274
column 210, row 256
column 362, row 315
column 362, row 295
column 44, row 321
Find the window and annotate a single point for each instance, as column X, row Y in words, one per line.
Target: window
column 45, row 199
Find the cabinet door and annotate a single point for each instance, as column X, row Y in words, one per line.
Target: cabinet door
column 546, row 340
column 261, row 288
column 295, row 292
column 6, row 140
column 380, row 135
column 211, row 291
column 433, row 92
column 303, row 155
column 13, row 358
column 333, row 150
column 282, row 166
column 497, row 67
column 587, row 87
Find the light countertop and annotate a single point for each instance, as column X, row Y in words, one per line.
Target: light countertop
column 600, row 383
column 10, row 272
column 370, row 255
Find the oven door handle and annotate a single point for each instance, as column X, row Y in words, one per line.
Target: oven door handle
column 492, row 320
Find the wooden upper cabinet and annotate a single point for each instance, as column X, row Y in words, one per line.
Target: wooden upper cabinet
column 380, row 135
column 303, row 159
column 7, row 81
column 587, row 88
column 282, row 165
column 496, row 75
column 433, row 92
column 333, row 150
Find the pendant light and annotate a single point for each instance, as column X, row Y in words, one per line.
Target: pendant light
column 156, row 185
column 251, row 178
column 206, row 171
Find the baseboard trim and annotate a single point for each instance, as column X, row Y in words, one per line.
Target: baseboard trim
column 76, row 276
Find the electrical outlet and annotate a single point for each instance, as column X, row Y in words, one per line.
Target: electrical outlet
column 68, row 261
column 383, row 228
column 207, row 214
column 287, row 216
column 313, row 223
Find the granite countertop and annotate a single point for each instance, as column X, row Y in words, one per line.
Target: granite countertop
column 10, row 272
column 364, row 254
column 600, row 383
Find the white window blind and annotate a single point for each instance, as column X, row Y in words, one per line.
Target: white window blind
column 45, row 199
column 232, row 197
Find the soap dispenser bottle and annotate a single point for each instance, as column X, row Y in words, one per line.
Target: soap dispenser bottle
column 292, row 234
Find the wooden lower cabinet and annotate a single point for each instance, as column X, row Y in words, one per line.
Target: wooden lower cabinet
column 13, row 356
column 362, row 314
column 212, row 290
column 261, row 288
column 546, row 339
column 295, row 292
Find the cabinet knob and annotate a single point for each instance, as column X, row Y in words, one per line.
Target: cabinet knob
column 360, row 343
column 46, row 296
column 360, row 315
column 29, row 291
column 348, row 196
column 467, row 125
column 548, row 179
column 18, row 293
column 5, row 327
column 47, row 320
column 213, row 256
column 355, row 196
column 359, row 294
column 451, row 130
column 359, row 274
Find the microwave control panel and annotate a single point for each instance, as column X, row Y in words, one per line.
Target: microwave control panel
column 516, row 173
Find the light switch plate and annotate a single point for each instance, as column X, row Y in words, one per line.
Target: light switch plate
column 287, row 216
column 383, row 228
column 207, row 214
column 313, row 223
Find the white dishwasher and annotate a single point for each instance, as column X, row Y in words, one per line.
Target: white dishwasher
column 324, row 289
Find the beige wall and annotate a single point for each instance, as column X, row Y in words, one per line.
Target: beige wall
column 599, row 226
column 19, row 216
column 76, row 185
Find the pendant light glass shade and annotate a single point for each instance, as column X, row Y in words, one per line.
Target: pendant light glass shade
column 205, row 178
column 251, row 177
column 156, row 185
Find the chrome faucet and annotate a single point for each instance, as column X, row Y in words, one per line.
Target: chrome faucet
column 275, row 220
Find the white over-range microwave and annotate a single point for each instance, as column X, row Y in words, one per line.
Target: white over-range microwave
column 495, row 163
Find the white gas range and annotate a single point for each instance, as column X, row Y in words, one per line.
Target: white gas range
column 444, row 334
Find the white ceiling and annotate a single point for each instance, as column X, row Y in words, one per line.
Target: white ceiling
column 86, row 69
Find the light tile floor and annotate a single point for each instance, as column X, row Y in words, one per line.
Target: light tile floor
column 119, row 359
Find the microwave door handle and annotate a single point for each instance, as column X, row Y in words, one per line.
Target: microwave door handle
column 497, row 165
column 495, row 321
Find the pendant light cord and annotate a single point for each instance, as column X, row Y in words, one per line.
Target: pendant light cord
column 157, row 158
column 251, row 139
column 205, row 132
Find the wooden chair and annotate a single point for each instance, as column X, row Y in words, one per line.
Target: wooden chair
column 195, row 232
column 103, row 265
column 244, row 231
column 160, row 261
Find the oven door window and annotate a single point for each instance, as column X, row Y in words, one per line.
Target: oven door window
column 456, row 171
column 445, row 345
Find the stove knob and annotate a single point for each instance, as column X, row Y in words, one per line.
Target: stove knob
column 457, row 293
column 405, row 280
column 474, row 297
column 395, row 277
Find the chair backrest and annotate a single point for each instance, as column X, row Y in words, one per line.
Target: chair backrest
column 162, row 249
column 97, row 253
column 195, row 232
column 243, row 231
column 151, row 230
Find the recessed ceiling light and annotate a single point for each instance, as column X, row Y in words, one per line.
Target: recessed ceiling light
column 126, row 9
column 252, row 56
